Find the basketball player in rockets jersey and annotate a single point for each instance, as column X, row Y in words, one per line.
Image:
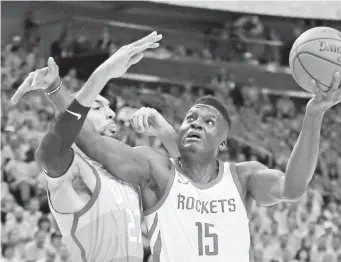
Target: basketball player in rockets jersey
column 98, row 215
column 196, row 206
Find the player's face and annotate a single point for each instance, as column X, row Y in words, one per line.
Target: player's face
column 202, row 130
column 102, row 117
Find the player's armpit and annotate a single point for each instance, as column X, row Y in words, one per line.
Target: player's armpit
column 265, row 185
column 64, row 191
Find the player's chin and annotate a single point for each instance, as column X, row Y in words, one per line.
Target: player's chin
column 109, row 132
column 192, row 143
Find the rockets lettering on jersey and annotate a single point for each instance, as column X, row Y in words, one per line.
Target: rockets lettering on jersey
column 206, row 206
column 200, row 223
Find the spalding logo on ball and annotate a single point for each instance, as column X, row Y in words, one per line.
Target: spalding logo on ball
column 316, row 54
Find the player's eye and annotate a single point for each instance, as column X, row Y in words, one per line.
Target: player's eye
column 96, row 108
column 189, row 118
column 210, row 122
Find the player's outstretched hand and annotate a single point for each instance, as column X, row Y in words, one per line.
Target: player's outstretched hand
column 148, row 121
column 118, row 64
column 322, row 101
column 40, row 79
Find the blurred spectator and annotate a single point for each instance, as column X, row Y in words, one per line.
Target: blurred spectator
column 297, row 30
column 271, row 55
column 302, row 256
column 15, row 221
column 50, row 256
column 71, row 81
column 9, row 254
column 64, row 255
column 81, row 45
column 36, row 249
column 112, row 48
column 14, row 238
column 44, row 224
column 31, row 31
column 56, row 241
column 105, row 41
column 62, row 46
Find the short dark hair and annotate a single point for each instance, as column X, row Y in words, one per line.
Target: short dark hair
column 217, row 104
column 6, row 246
column 56, row 235
column 43, row 219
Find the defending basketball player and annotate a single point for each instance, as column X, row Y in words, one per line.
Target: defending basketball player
column 197, row 208
column 99, row 216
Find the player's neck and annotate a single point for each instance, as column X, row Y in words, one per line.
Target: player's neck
column 201, row 170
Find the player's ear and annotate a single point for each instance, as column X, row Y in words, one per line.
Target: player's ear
column 222, row 145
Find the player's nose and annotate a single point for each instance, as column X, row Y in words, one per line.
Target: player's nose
column 110, row 114
column 196, row 125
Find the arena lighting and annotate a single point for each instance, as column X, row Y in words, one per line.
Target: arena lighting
column 328, row 9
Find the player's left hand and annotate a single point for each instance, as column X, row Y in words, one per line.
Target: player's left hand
column 118, row 64
column 40, row 79
column 149, row 122
column 322, row 101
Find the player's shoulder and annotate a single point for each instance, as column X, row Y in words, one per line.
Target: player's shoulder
column 250, row 166
column 247, row 168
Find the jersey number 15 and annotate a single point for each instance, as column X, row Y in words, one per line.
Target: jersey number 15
column 206, row 228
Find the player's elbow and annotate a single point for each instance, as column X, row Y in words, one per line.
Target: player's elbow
column 294, row 193
column 42, row 157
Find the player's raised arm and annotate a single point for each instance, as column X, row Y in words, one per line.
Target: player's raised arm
column 150, row 122
column 268, row 186
column 121, row 160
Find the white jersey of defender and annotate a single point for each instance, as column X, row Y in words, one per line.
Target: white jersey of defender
column 196, row 223
column 108, row 228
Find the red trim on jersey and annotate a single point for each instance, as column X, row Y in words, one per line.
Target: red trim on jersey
column 160, row 202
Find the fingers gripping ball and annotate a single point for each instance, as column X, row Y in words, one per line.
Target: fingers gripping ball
column 316, row 54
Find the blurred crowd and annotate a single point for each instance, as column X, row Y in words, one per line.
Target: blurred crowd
column 245, row 40
column 265, row 128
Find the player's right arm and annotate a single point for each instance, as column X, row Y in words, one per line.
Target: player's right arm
column 61, row 165
column 119, row 159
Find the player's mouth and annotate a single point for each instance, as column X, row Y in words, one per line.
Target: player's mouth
column 112, row 128
column 193, row 136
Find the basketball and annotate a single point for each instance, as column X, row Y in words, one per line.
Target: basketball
column 316, row 54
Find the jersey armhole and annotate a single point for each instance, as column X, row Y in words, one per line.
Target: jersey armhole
column 242, row 191
column 169, row 185
column 91, row 201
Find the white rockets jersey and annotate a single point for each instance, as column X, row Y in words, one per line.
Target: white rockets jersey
column 108, row 228
column 196, row 223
